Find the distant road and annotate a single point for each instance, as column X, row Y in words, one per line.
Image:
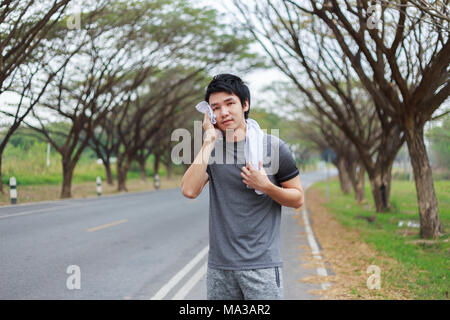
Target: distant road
column 133, row 246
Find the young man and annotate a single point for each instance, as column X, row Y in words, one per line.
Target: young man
column 244, row 260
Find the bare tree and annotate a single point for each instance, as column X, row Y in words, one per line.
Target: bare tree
column 435, row 12
column 23, row 26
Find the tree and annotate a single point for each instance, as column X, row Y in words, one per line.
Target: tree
column 103, row 142
column 127, row 44
column 307, row 54
column 437, row 11
column 440, row 143
column 402, row 63
column 96, row 78
column 23, row 25
column 405, row 67
column 315, row 127
column 141, row 119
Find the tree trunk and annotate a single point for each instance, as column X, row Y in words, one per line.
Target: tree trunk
column 4, row 142
column 122, row 170
column 380, row 182
column 360, row 194
column 357, row 178
column 156, row 164
column 68, row 167
column 344, row 177
column 169, row 170
column 109, row 176
column 142, row 170
column 430, row 223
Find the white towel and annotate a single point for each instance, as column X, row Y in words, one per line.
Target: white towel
column 254, row 144
column 254, row 139
column 203, row 107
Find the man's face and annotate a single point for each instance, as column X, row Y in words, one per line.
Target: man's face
column 228, row 110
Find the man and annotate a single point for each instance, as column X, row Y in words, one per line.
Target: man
column 244, row 260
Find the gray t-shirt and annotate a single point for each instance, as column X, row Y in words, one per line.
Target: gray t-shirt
column 244, row 227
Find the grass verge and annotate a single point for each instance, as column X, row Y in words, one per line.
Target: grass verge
column 411, row 268
column 36, row 193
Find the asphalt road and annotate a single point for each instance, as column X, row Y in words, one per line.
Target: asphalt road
column 148, row 245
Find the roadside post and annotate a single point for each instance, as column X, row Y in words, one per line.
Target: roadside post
column 156, row 181
column 99, row 186
column 13, row 190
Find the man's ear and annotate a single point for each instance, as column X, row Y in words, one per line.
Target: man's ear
column 245, row 105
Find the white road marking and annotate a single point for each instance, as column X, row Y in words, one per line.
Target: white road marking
column 321, row 271
column 180, row 275
column 183, row 292
column 39, row 210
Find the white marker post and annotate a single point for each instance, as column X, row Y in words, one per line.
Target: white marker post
column 48, row 154
column 99, row 186
column 13, row 190
column 156, row 181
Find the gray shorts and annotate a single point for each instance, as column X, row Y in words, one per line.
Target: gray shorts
column 254, row 284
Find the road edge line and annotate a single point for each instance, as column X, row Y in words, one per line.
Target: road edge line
column 184, row 291
column 321, row 271
column 180, row 275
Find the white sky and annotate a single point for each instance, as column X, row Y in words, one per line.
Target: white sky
column 259, row 78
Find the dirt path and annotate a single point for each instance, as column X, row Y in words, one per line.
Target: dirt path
column 349, row 256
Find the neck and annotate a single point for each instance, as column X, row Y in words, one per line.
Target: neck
column 237, row 134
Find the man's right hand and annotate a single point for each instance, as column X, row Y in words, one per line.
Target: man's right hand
column 211, row 131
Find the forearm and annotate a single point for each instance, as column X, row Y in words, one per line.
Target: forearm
column 193, row 179
column 289, row 197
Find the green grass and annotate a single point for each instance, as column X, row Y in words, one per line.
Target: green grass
column 29, row 167
column 427, row 263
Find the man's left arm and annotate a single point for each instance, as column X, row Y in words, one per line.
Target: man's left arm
column 290, row 194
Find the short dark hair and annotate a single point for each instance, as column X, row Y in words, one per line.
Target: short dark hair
column 231, row 84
